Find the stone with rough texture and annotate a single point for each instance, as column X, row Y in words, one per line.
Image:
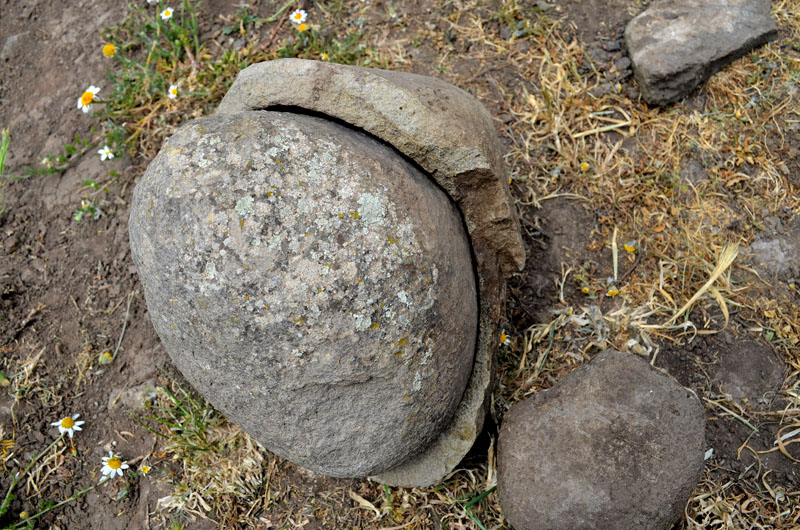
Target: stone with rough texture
column 316, row 287
column 441, row 127
column 675, row 45
column 452, row 137
column 613, row 445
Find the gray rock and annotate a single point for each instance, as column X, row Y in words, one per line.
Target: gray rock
column 11, row 43
column 614, row 445
column 452, row 137
column 748, row 371
column 135, row 397
column 312, row 284
column 775, row 254
column 677, row 44
column 441, row 127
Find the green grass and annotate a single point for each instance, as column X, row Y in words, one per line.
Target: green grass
column 5, row 141
column 153, row 54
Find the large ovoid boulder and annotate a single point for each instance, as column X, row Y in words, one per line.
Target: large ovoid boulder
column 674, row 45
column 314, row 285
column 613, row 445
column 324, row 259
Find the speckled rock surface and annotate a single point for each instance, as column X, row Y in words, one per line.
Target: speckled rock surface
column 613, row 445
column 675, row 45
column 441, row 127
column 452, row 137
column 313, row 285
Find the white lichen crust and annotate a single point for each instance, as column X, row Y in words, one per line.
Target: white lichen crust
column 312, row 284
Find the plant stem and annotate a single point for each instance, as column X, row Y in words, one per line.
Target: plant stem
column 69, row 499
column 18, row 476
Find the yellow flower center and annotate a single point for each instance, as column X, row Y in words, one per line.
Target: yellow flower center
column 503, row 337
column 114, row 463
column 302, row 27
column 87, row 97
column 298, row 16
column 109, row 50
column 68, row 423
column 145, row 469
column 174, row 91
column 167, row 13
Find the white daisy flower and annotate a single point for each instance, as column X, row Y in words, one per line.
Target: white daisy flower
column 85, row 101
column 68, row 425
column 113, row 465
column 166, row 14
column 324, row 56
column 173, row 91
column 105, row 153
column 505, row 340
column 299, row 16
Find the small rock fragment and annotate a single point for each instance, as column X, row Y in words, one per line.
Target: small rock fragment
column 133, row 398
column 615, row 444
column 748, row 371
column 677, row 44
column 775, row 254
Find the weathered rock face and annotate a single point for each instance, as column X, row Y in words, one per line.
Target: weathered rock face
column 775, row 253
column 677, row 44
column 615, row 444
column 316, row 287
column 452, row 137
